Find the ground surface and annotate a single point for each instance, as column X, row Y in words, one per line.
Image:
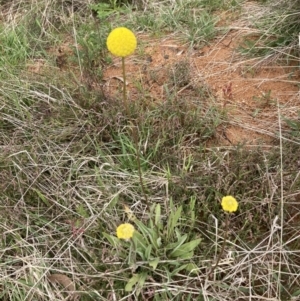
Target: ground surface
column 75, row 164
column 249, row 90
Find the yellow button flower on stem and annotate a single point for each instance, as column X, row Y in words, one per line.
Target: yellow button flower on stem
column 125, row 231
column 229, row 203
column 121, row 42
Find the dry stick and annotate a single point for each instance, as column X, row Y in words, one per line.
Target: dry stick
column 279, row 278
column 222, row 248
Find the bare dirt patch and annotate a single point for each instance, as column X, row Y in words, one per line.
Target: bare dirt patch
column 249, row 90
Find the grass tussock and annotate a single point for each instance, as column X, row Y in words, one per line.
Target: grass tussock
column 278, row 32
column 75, row 164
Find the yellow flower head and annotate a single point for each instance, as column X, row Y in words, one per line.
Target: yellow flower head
column 121, row 42
column 125, row 231
column 229, row 203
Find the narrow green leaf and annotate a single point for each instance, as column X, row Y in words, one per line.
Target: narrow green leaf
column 185, row 248
column 149, row 234
column 140, row 243
column 177, row 270
column 114, row 241
column 175, row 245
column 192, row 211
column 42, row 197
column 148, row 252
column 296, row 293
column 173, row 220
column 158, row 216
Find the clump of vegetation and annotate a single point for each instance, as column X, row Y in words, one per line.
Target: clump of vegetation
column 279, row 28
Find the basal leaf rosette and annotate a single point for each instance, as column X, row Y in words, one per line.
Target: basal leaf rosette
column 229, row 204
column 121, row 42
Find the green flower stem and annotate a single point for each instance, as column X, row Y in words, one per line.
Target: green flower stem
column 132, row 254
column 124, row 85
column 222, row 248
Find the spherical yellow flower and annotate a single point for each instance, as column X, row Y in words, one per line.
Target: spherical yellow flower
column 229, row 203
column 125, row 231
column 121, row 42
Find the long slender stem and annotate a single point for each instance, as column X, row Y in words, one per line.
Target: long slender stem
column 124, row 85
column 223, row 246
column 279, row 277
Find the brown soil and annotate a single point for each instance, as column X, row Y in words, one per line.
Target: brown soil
column 250, row 91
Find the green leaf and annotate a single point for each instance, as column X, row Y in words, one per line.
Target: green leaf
column 153, row 263
column 113, row 201
column 136, row 279
column 296, row 293
column 177, row 270
column 142, row 228
column 185, row 251
column 192, row 268
column 132, row 281
column 175, row 245
column 42, row 197
column 141, row 282
column 140, row 244
column 158, row 216
column 114, row 241
column 81, row 211
column 186, row 256
column 192, row 211
column 148, row 233
column 178, row 234
column 295, row 125
column 148, row 252
column 172, row 221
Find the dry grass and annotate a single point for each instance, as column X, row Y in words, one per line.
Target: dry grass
column 68, row 165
